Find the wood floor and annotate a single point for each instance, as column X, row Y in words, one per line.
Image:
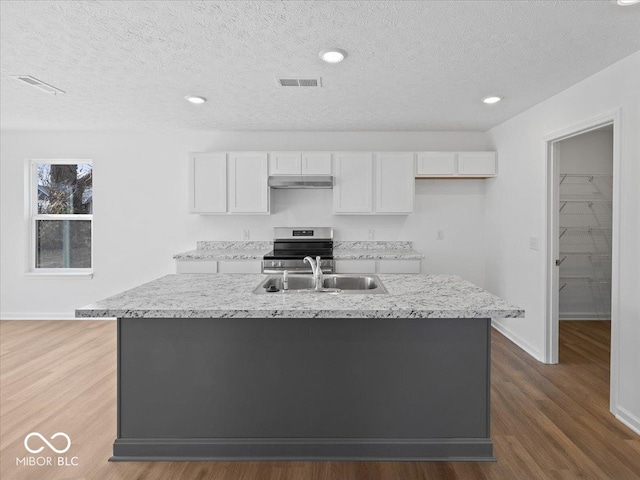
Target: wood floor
column 548, row 421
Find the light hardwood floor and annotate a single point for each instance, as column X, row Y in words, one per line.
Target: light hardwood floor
column 549, row 421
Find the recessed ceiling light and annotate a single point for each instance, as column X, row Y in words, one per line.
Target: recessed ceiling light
column 195, row 99
column 333, row 55
column 624, row 3
column 491, row 100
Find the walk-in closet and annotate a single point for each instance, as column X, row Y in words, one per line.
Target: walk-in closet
column 585, row 225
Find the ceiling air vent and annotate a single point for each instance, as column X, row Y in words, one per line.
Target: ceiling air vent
column 39, row 84
column 300, row 82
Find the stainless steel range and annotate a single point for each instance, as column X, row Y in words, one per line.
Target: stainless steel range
column 291, row 245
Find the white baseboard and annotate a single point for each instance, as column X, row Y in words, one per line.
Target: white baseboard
column 43, row 316
column 629, row 419
column 534, row 352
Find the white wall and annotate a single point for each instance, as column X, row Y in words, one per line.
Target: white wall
column 141, row 219
column 515, row 203
column 591, row 152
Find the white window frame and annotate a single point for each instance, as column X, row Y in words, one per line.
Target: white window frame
column 34, row 216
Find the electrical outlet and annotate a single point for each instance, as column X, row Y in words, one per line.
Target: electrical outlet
column 439, row 234
column 372, row 234
column 534, row 243
column 245, row 235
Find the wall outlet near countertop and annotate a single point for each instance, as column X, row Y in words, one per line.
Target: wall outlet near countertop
column 245, row 235
column 439, row 234
column 534, row 243
column 372, row 234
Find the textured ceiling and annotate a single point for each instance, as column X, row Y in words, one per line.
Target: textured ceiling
column 410, row 65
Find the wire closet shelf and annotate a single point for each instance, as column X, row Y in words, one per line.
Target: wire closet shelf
column 585, row 206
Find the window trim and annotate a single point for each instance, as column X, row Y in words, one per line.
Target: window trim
column 34, row 216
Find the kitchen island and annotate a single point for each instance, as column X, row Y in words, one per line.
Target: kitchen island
column 209, row 371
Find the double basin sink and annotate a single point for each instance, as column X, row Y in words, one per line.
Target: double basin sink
column 332, row 283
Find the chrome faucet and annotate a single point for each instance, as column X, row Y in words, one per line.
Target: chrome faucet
column 317, row 272
column 285, row 280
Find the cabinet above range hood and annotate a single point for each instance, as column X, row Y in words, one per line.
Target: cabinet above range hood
column 301, row 181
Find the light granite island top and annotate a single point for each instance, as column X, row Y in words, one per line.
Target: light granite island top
column 209, row 371
column 229, row 295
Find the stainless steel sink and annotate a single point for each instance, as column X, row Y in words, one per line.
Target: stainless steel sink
column 333, row 284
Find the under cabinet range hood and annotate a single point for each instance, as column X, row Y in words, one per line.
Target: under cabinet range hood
column 301, row 181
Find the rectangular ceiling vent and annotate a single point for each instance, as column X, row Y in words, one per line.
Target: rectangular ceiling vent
column 39, row 84
column 300, row 82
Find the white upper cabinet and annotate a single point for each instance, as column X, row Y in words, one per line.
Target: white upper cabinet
column 436, row 163
column 364, row 182
column 285, row 163
column 248, row 190
column 394, row 182
column 316, row 163
column 367, row 183
column 222, row 183
column 208, row 181
column 353, row 182
column 456, row 164
column 297, row 163
column 482, row 164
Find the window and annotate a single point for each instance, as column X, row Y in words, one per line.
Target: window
column 61, row 216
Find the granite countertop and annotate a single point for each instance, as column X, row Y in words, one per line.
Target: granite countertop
column 342, row 250
column 229, row 295
column 374, row 250
column 371, row 254
column 223, row 254
column 227, row 250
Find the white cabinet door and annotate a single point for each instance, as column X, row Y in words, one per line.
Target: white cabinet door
column 208, row 182
column 285, row 163
column 481, row 164
column 353, row 188
column 395, row 182
column 436, row 164
column 239, row 266
column 316, row 163
column 248, row 191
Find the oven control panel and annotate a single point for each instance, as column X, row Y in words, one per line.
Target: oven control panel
column 302, row 233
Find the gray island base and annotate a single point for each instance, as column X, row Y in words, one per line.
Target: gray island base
column 286, row 387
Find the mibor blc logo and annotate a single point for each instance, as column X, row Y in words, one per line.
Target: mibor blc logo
column 47, row 443
column 36, row 443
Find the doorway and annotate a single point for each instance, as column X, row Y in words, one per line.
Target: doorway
column 585, row 201
column 582, row 235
